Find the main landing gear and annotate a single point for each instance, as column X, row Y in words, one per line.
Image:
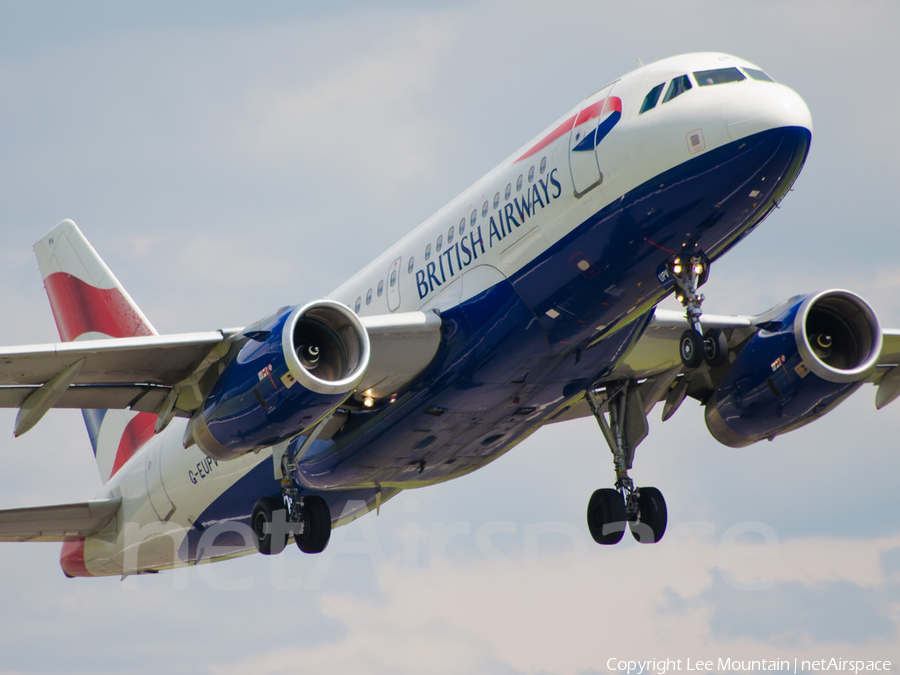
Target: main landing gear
column 643, row 509
column 695, row 346
column 307, row 517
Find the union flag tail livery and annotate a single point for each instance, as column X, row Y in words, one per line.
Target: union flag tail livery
column 88, row 302
column 531, row 298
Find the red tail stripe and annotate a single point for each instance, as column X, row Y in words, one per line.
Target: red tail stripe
column 139, row 430
column 81, row 308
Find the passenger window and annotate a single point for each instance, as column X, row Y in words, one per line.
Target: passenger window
column 449, row 236
column 393, row 278
column 484, row 209
column 508, row 191
column 678, row 86
column 531, row 175
column 380, row 287
column 473, row 217
column 758, row 75
column 706, row 78
column 496, row 200
column 412, row 264
column 652, row 98
column 358, row 305
column 369, row 297
column 440, row 244
column 462, row 226
column 519, row 182
column 543, row 165
column 428, row 252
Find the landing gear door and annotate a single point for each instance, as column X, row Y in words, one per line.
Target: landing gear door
column 590, row 126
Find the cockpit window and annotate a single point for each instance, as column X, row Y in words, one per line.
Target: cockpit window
column 706, row 78
column 677, row 87
column 652, row 98
column 758, row 75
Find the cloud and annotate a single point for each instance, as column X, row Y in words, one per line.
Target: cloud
column 570, row 612
column 794, row 614
column 368, row 118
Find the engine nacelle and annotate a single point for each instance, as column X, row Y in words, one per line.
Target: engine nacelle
column 796, row 368
column 298, row 365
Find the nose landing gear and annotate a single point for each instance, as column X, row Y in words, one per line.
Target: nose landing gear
column 695, row 346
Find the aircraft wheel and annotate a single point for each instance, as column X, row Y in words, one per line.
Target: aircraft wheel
column 691, row 348
column 715, row 347
column 652, row 516
column 269, row 525
column 316, row 525
column 606, row 516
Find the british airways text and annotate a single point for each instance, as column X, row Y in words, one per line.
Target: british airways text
column 503, row 221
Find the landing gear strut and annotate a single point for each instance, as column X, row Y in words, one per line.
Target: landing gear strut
column 644, row 509
column 695, row 346
column 307, row 517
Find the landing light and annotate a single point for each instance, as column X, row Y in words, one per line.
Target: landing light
column 368, row 401
column 698, row 269
column 676, row 268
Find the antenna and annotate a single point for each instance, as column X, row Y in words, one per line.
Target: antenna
column 640, row 63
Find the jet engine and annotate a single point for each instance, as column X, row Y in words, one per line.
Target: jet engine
column 799, row 365
column 295, row 367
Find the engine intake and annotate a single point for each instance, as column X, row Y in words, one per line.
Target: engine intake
column 797, row 367
column 296, row 367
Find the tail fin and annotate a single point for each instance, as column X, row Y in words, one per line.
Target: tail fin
column 89, row 302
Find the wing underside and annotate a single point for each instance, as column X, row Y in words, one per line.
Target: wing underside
column 655, row 364
column 58, row 522
column 161, row 374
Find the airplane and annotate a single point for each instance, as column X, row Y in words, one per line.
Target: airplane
column 528, row 300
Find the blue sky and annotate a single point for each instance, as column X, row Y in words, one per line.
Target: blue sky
column 227, row 159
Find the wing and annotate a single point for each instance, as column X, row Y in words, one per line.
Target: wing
column 60, row 522
column 654, row 363
column 164, row 374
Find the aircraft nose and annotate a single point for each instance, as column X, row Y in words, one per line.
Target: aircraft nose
column 763, row 106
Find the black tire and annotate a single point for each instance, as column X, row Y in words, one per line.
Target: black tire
column 269, row 524
column 316, row 525
column 652, row 516
column 606, row 516
column 691, row 349
column 715, row 347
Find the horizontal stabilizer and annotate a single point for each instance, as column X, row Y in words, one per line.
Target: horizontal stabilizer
column 58, row 522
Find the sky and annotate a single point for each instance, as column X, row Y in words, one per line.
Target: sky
column 228, row 158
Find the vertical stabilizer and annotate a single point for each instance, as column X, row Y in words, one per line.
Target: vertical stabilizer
column 88, row 302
